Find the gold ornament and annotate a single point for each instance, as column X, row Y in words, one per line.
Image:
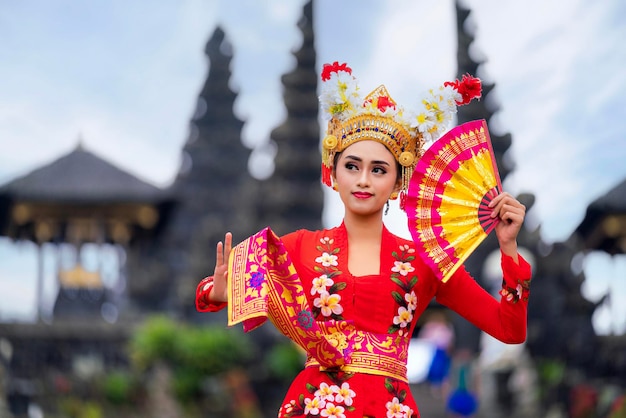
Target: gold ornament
column 406, row 159
column 330, row 142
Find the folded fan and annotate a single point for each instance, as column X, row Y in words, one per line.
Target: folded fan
column 448, row 197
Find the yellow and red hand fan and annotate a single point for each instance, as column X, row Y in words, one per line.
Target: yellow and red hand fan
column 448, row 197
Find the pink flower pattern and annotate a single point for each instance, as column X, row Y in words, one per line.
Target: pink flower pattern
column 327, row 304
column 408, row 302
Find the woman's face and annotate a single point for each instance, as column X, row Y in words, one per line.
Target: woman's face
column 365, row 174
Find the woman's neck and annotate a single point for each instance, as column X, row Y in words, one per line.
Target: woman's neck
column 364, row 244
column 364, row 228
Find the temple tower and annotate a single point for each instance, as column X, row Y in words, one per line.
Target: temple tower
column 292, row 197
column 467, row 335
column 213, row 186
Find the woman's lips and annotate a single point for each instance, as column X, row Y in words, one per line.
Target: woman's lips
column 362, row 195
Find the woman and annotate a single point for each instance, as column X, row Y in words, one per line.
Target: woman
column 351, row 295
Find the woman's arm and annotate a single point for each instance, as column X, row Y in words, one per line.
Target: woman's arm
column 506, row 319
column 212, row 291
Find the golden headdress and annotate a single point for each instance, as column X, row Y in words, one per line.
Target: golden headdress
column 378, row 117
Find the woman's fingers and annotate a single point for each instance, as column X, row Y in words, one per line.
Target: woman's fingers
column 228, row 244
column 507, row 208
column 511, row 213
column 219, row 254
column 223, row 249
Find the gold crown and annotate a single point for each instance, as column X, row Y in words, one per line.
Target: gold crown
column 378, row 117
column 406, row 148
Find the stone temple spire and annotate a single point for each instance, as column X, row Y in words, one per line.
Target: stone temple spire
column 479, row 109
column 292, row 196
column 212, row 178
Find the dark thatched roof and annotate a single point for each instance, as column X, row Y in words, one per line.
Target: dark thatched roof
column 80, row 177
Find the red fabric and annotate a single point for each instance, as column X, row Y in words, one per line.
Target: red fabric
column 372, row 303
column 203, row 304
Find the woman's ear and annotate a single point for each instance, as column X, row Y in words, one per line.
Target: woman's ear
column 398, row 186
column 396, row 190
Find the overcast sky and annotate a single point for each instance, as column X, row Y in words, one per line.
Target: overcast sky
column 123, row 78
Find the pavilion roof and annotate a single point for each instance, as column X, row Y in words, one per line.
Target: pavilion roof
column 81, row 177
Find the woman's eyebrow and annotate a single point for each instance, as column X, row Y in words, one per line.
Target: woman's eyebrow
column 355, row 158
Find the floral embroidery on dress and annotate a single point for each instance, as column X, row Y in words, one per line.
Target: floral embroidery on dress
column 327, row 303
column 331, row 401
column 517, row 293
column 408, row 302
column 395, row 407
column 256, row 284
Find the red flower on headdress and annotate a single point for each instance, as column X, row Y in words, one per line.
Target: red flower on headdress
column 469, row 88
column 335, row 67
column 384, row 102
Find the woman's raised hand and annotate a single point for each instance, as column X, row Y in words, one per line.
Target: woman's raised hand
column 511, row 213
column 219, row 293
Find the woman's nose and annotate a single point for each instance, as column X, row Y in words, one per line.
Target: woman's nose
column 364, row 178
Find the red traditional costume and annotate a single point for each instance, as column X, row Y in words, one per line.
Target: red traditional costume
column 356, row 330
column 369, row 319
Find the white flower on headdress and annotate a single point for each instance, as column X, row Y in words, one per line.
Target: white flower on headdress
column 339, row 96
column 340, row 99
column 450, row 98
column 435, row 112
column 420, row 120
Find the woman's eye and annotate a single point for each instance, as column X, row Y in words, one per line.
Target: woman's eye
column 379, row 170
column 351, row 166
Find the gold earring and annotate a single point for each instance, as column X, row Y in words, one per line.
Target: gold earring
column 394, row 195
column 335, row 187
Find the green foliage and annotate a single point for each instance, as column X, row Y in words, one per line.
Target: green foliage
column 76, row 408
column 193, row 353
column 186, row 384
column 155, row 340
column 551, row 372
column 284, row 361
column 211, row 350
column 118, row 387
